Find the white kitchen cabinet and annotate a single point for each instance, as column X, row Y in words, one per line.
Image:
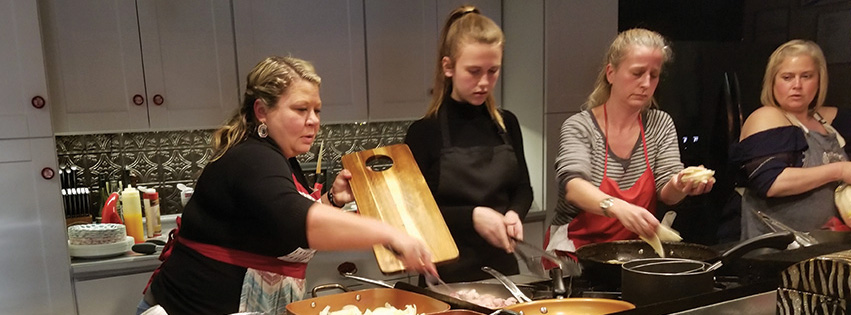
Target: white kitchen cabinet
column 401, row 51
column 22, row 81
column 328, row 33
column 139, row 65
column 111, row 295
column 35, row 273
column 35, row 269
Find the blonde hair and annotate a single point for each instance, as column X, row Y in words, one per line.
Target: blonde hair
column 794, row 48
column 618, row 50
column 267, row 81
column 464, row 25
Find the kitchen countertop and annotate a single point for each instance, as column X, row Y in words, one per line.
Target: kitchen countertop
column 129, row 263
column 126, row 264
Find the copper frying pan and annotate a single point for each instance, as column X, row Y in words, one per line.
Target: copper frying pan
column 570, row 306
column 367, row 299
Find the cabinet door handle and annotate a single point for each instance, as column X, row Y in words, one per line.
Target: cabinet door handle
column 158, row 99
column 47, row 173
column 38, row 102
column 138, row 100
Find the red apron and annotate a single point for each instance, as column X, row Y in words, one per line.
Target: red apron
column 588, row 228
column 238, row 257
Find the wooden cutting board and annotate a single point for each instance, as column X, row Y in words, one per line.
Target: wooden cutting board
column 399, row 196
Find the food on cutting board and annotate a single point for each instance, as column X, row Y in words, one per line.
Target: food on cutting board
column 387, row 309
column 663, row 233
column 486, row 300
column 697, row 174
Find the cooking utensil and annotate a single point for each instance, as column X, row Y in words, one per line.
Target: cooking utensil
column 388, row 185
column 571, row 306
column 366, row 299
column 317, row 184
column 568, row 266
column 604, row 260
column 348, row 269
column 454, row 302
column 652, row 280
column 436, row 284
column 510, row 285
column 802, row 239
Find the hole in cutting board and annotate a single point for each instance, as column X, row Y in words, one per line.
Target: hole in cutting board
column 378, row 163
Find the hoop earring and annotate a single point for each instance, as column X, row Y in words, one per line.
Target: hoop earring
column 263, row 130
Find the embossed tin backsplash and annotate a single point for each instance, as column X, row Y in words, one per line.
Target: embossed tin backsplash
column 163, row 159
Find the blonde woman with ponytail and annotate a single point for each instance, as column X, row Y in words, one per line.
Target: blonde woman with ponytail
column 251, row 226
column 471, row 152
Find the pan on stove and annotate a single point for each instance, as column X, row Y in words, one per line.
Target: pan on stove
column 348, row 270
column 604, row 260
column 571, row 306
column 367, row 299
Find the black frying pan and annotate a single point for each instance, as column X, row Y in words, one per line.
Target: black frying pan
column 604, row 260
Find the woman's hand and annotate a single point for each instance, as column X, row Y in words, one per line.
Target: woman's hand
column 691, row 187
column 491, row 225
column 413, row 253
column 341, row 189
column 634, row 218
column 513, row 225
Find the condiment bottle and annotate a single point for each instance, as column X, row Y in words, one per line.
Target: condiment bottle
column 151, row 199
column 132, row 206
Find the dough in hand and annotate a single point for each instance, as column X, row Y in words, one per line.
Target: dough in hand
column 663, row 233
column 655, row 243
column 697, row 174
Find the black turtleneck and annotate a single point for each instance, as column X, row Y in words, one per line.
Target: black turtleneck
column 469, row 126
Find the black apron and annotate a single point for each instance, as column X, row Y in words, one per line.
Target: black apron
column 476, row 176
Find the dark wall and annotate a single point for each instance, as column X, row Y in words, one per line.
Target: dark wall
column 712, row 39
column 684, row 20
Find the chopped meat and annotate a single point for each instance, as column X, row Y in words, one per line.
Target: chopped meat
column 486, row 300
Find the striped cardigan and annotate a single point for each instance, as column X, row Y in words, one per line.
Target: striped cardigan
column 582, row 150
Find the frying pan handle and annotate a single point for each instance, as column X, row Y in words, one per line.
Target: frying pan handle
column 323, row 287
column 368, row 280
column 558, row 283
column 777, row 240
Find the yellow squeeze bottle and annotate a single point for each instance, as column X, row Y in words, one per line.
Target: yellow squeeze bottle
column 132, row 206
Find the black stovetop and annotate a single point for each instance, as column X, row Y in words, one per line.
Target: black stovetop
column 752, row 274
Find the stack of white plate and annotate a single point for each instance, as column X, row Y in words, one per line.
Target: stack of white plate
column 101, row 250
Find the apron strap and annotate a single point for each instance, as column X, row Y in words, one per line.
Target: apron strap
column 794, row 120
column 246, row 259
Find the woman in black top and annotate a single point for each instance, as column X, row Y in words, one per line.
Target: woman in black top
column 471, row 152
column 251, row 226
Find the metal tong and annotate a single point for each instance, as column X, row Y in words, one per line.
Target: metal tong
column 802, row 239
column 570, row 267
column 510, row 285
